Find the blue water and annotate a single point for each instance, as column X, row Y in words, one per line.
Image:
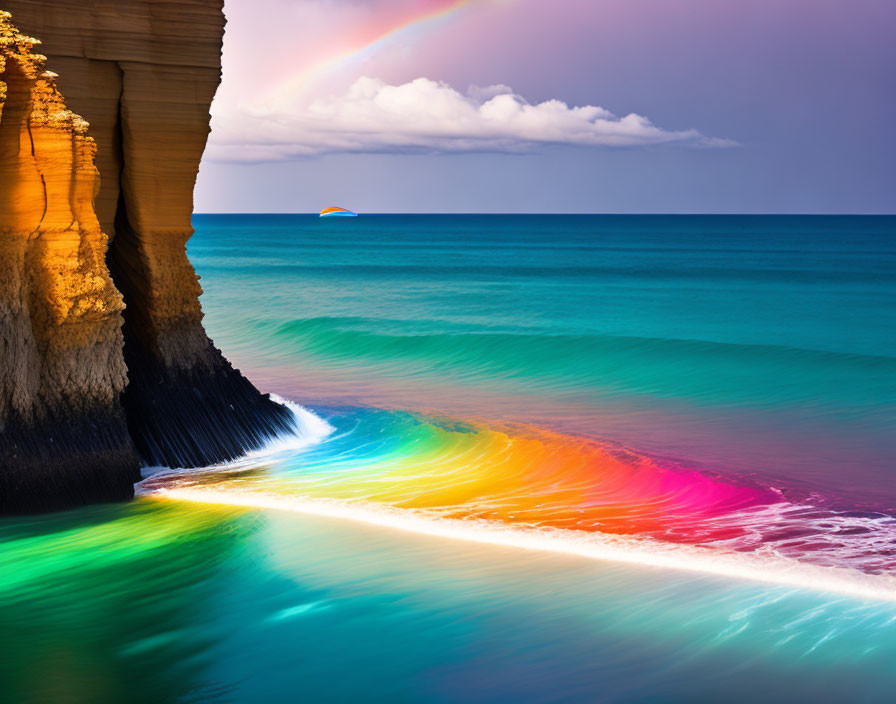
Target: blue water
column 759, row 350
column 757, row 345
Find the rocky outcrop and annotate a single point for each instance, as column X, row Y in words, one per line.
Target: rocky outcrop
column 63, row 433
column 102, row 363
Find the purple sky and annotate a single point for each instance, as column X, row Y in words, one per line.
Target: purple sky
column 761, row 106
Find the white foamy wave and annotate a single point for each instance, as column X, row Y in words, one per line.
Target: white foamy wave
column 308, row 429
column 770, row 569
column 859, row 540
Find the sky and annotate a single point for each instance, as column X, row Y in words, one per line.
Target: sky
column 620, row 106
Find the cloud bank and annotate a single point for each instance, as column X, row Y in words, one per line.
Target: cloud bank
column 429, row 116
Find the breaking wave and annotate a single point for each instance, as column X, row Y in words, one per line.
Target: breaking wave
column 522, row 486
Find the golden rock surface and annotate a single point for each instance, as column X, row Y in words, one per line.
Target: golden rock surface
column 143, row 73
column 104, row 362
column 60, row 314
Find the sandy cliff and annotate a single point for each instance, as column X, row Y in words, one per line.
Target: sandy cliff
column 142, row 73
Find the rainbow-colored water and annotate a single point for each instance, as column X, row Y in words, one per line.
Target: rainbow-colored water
column 524, row 486
column 539, row 458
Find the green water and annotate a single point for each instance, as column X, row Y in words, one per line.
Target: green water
column 759, row 348
column 161, row 602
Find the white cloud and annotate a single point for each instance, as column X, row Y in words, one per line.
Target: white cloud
column 426, row 115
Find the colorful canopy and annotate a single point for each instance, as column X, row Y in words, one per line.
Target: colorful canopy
column 337, row 212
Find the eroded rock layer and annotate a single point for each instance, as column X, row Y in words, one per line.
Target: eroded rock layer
column 143, row 74
column 63, row 437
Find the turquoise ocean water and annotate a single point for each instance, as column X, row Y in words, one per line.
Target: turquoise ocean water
column 541, row 458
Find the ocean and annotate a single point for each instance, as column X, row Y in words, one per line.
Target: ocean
column 537, row 458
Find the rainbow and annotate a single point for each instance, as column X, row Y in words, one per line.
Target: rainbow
column 522, row 486
column 514, row 474
column 414, row 15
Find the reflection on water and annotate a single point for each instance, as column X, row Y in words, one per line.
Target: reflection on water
column 109, row 604
column 168, row 602
column 518, row 484
column 693, row 388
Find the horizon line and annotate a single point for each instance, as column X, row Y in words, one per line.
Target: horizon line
column 599, row 214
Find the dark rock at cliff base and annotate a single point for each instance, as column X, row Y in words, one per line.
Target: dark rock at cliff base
column 63, row 436
column 104, row 362
column 58, row 462
column 197, row 416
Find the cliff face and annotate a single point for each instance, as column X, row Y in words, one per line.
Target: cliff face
column 142, row 73
column 62, row 371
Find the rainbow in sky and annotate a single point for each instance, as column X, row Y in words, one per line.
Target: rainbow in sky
column 386, row 22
